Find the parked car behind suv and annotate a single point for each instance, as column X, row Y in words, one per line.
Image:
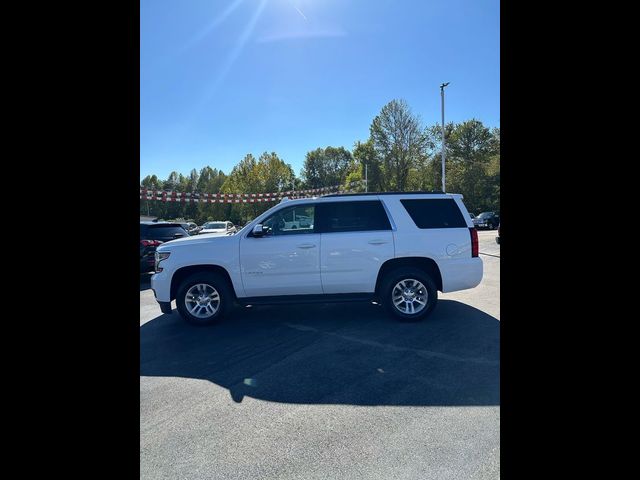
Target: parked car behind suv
column 398, row 249
column 152, row 235
column 488, row 220
column 191, row 227
column 218, row 227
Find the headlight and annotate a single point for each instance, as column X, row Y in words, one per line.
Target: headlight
column 160, row 256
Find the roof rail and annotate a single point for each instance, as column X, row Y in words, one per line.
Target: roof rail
column 382, row 193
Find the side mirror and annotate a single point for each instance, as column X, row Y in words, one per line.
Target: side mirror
column 258, row 231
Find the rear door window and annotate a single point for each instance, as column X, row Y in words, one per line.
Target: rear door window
column 434, row 213
column 356, row 216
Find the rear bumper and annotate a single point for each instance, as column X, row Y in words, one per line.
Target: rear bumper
column 460, row 274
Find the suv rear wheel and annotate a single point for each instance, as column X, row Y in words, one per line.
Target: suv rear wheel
column 203, row 298
column 409, row 294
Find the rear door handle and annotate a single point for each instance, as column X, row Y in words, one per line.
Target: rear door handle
column 377, row 242
column 306, row 245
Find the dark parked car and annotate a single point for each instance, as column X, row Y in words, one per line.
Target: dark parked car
column 488, row 220
column 153, row 234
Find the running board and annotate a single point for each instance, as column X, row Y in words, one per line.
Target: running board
column 321, row 298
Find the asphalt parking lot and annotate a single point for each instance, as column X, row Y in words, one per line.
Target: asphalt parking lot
column 325, row 391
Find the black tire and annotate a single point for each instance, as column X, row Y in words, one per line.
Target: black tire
column 404, row 273
column 214, row 280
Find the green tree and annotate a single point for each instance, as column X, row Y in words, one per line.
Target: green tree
column 325, row 167
column 400, row 142
column 273, row 174
column 210, row 180
column 473, row 165
column 268, row 174
column 151, row 182
column 471, row 141
column 243, row 177
column 432, row 178
column 193, row 180
column 172, row 181
column 364, row 155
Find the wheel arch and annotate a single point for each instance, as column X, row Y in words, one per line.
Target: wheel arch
column 182, row 273
column 428, row 265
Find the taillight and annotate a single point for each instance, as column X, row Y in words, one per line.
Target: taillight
column 150, row 243
column 474, row 242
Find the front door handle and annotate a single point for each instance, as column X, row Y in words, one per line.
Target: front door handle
column 377, row 242
column 306, row 245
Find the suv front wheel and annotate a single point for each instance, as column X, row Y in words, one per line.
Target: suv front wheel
column 409, row 294
column 203, row 298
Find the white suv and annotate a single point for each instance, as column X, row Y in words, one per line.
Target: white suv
column 398, row 249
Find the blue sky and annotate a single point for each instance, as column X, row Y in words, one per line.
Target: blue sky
column 223, row 78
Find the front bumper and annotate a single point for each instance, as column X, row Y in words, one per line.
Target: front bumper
column 161, row 286
column 165, row 307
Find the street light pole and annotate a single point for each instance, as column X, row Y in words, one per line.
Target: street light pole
column 366, row 177
column 443, row 141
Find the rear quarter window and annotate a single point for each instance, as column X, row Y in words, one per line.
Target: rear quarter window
column 434, row 213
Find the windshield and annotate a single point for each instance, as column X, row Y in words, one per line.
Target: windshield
column 485, row 215
column 215, row 225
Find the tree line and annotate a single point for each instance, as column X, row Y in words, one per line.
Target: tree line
column 401, row 154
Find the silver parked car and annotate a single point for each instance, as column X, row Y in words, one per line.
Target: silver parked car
column 219, row 228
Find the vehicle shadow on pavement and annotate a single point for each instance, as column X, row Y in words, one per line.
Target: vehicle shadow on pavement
column 334, row 354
